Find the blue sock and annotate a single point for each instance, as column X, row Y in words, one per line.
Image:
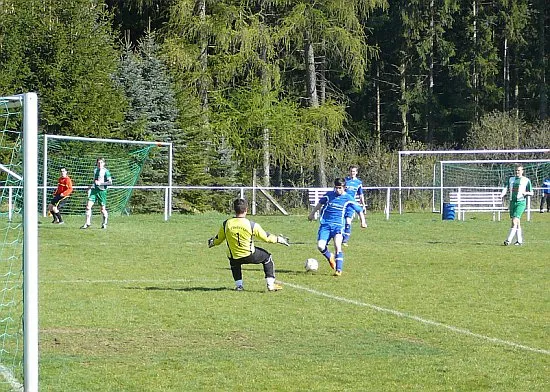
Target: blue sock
column 326, row 253
column 347, row 232
column 339, row 261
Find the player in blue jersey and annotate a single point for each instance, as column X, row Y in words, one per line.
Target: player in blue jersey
column 354, row 187
column 333, row 206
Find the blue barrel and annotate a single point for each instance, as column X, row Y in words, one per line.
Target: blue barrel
column 448, row 211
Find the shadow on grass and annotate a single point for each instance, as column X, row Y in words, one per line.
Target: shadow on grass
column 154, row 288
column 455, row 243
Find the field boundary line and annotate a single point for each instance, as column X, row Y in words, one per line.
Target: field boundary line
column 419, row 319
column 91, row 281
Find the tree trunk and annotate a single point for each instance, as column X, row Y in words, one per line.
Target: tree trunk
column 475, row 76
column 266, row 133
column 313, row 100
column 403, row 107
column 322, row 77
column 203, row 57
column 543, row 97
column 430, row 98
column 506, row 76
column 378, row 126
column 311, row 77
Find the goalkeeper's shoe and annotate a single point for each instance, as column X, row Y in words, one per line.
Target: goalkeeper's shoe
column 85, row 226
column 274, row 287
column 332, row 262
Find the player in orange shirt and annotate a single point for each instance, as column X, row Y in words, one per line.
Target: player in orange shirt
column 64, row 189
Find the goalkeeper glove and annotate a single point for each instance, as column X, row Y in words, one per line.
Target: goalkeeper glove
column 282, row 240
column 211, row 242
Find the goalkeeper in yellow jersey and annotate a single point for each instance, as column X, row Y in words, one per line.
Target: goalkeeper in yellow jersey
column 239, row 234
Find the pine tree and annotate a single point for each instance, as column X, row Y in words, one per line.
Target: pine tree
column 63, row 50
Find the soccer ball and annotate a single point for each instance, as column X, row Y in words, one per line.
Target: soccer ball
column 311, row 265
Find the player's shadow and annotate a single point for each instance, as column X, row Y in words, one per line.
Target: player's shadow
column 452, row 243
column 196, row 288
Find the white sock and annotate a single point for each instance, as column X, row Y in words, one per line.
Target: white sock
column 88, row 217
column 520, row 235
column 238, row 283
column 105, row 216
column 270, row 282
column 512, row 234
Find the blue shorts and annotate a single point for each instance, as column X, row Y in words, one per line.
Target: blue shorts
column 328, row 231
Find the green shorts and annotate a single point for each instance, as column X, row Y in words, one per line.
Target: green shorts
column 517, row 209
column 98, row 195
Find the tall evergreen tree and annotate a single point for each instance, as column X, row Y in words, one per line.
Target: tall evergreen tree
column 152, row 112
column 63, row 50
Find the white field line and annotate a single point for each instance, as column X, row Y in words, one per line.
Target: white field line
column 10, row 378
column 336, row 298
column 420, row 320
column 159, row 281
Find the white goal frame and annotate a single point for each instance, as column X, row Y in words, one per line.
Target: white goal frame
column 406, row 153
column 479, row 161
column 29, row 101
column 168, row 187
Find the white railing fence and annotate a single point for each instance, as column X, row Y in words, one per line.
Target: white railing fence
column 278, row 200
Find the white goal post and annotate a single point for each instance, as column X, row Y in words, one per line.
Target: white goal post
column 447, row 155
column 29, row 253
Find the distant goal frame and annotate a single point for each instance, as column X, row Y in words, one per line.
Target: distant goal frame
column 168, row 187
column 404, row 153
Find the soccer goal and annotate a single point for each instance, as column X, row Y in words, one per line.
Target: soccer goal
column 490, row 174
column 19, row 245
column 420, row 170
column 128, row 161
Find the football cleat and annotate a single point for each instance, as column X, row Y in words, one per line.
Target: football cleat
column 239, row 288
column 85, row 226
column 104, row 226
column 337, row 273
column 61, row 222
column 518, row 243
column 275, row 287
column 332, row 262
column 506, row 243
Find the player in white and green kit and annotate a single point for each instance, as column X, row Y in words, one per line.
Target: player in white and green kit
column 97, row 192
column 519, row 187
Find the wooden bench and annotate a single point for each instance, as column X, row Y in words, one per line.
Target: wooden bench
column 314, row 194
column 477, row 202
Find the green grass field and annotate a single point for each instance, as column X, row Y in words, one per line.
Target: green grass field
column 423, row 305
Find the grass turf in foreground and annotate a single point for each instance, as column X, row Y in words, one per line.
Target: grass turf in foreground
column 423, row 304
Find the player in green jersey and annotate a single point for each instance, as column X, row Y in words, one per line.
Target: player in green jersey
column 97, row 192
column 519, row 187
column 239, row 233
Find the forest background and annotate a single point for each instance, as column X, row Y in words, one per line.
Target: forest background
column 295, row 90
